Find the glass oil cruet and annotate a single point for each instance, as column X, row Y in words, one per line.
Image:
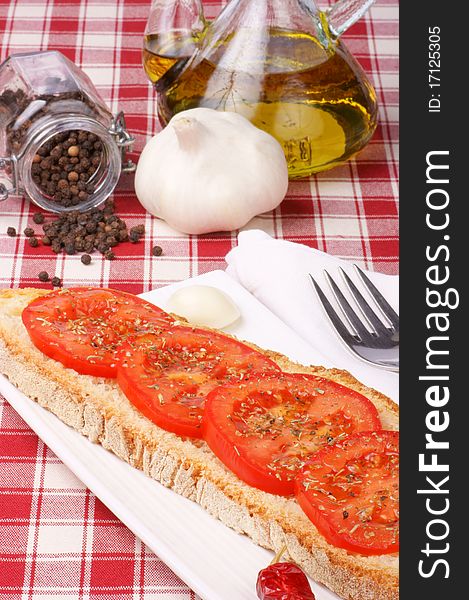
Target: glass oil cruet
column 280, row 63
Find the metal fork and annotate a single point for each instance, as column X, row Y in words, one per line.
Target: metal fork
column 372, row 340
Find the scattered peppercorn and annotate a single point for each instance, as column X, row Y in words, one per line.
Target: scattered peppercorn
column 33, row 242
column 38, row 218
column 43, row 276
column 29, row 232
column 134, row 236
column 56, row 282
column 86, row 259
column 98, row 229
column 109, row 255
column 157, row 251
column 140, row 229
column 11, row 231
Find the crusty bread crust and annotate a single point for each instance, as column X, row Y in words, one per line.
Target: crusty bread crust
column 98, row 409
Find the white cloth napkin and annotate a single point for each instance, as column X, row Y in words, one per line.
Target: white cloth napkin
column 276, row 273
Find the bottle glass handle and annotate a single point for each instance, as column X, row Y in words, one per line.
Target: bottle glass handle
column 344, row 13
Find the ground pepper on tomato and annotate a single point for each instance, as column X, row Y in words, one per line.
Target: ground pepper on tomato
column 350, row 491
column 168, row 376
column 265, row 429
column 83, row 328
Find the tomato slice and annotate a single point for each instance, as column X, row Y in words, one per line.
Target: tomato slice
column 350, row 491
column 264, row 430
column 168, row 377
column 83, row 328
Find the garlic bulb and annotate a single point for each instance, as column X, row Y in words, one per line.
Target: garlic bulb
column 210, row 171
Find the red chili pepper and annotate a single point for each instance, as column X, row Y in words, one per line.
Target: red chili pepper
column 283, row 581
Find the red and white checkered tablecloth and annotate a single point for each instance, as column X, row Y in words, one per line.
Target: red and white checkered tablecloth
column 56, row 539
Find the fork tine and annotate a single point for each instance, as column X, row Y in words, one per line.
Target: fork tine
column 350, row 314
column 376, row 324
column 333, row 316
column 384, row 306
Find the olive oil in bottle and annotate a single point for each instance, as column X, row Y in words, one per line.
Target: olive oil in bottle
column 165, row 55
column 315, row 101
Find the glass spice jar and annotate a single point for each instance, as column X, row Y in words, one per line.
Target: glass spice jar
column 59, row 143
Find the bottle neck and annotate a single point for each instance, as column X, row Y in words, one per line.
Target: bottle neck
column 274, row 11
column 291, row 15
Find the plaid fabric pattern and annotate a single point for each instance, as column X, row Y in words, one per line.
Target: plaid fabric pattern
column 56, row 539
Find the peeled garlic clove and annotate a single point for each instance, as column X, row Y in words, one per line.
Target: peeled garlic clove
column 204, row 305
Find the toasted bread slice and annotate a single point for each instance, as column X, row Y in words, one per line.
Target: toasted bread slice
column 99, row 410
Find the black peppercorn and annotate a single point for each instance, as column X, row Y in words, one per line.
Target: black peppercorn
column 29, row 232
column 134, row 237
column 109, row 255
column 157, row 251
column 43, row 276
column 51, row 188
column 91, row 226
column 38, row 218
column 86, row 259
column 33, row 242
column 140, row 229
column 56, row 282
column 11, row 231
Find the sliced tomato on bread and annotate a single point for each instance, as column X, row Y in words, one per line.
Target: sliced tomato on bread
column 350, row 491
column 83, row 328
column 168, row 376
column 265, row 429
